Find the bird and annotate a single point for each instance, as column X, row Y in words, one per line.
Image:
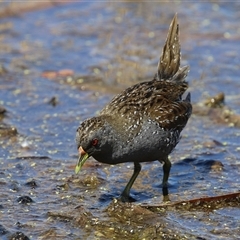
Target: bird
column 143, row 123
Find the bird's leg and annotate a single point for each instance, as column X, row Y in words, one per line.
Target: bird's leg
column 166, row 170
column 165, row 194
column 125, row 194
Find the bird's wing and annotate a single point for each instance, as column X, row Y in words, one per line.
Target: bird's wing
column 157, row 101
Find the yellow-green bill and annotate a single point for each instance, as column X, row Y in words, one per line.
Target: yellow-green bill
column 82, row 159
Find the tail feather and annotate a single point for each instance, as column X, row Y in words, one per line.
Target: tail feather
column 169, row 63
column 181, row 74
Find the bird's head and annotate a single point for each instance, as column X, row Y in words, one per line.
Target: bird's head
column 90, row 137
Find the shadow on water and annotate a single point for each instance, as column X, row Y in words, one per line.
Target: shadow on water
column 62, row 64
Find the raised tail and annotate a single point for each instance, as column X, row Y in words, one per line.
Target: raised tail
column 169, row 62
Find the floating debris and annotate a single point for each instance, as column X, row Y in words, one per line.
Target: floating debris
column 6, row 130
column 215, row 101
column 24, row 200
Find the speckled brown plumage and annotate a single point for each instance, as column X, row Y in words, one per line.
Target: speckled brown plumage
column 144, row 122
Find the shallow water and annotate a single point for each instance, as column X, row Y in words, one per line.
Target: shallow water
column 107, row 47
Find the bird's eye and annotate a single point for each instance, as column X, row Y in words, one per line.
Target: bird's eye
column 94, row 141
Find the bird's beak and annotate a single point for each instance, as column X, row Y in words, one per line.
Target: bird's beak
column 83, row 156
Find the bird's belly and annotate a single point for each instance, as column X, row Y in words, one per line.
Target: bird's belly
column 150, row 146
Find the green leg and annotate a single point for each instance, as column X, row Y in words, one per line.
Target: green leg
column 166, row 170
column 125, row 194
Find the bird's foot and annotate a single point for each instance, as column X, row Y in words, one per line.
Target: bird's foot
column 126, row 198
column 165, row 192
